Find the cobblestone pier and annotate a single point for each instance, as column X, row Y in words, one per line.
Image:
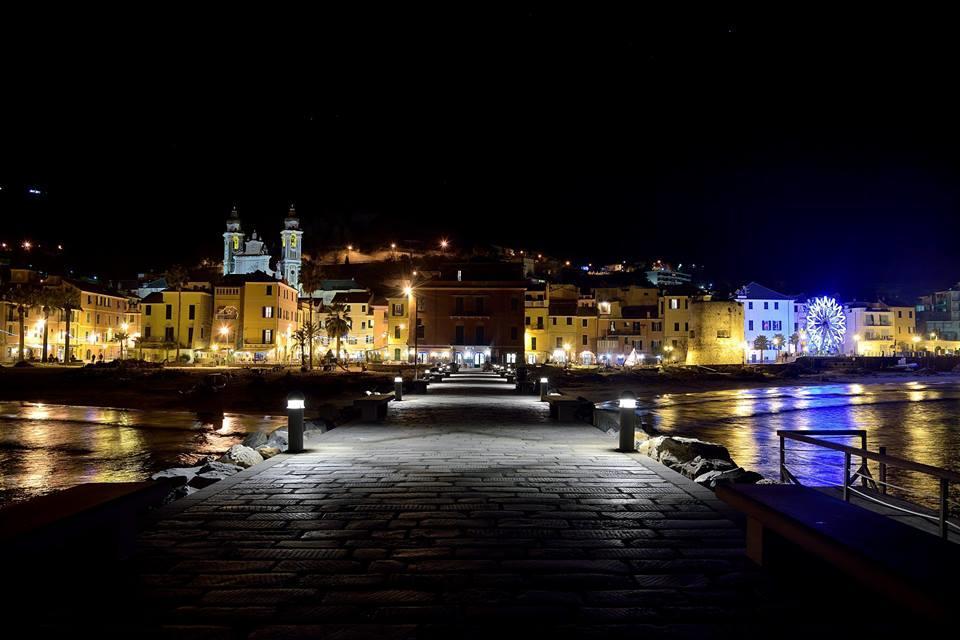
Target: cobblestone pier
column 467, row 513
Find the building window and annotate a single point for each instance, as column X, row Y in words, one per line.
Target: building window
column 766, row 305
column 396, row 332
column 269, row 289
column 686, row 326
column 398, row 309
column 584, row 340
column 676, row 326
column 169, row 313
column 481, row 338
column 268, row 336
column 559, row 343
column 192, row 311
column 527, row 321
column 149, row 310
column 168, row 334
column 458, row 336
column 458, row 306
column 396, row 354
column 420, row 329
column 459, row 275
column 268, row 312
column 539, row 322
column 533, row 344
column 583, row 322
column 674, row 303
column 514, row 304
column 723, row 333
column 146, row 331
column 190, row 335
column 749, row 325
column 776, row 305
column 479, row 306
column 553, row 321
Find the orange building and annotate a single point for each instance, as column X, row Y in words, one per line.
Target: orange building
column 470, row 314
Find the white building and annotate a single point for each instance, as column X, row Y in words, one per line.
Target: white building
column 242, row 255
column 768, row 313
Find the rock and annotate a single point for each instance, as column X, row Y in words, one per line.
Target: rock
column 267, row 452
column 699, row 466
column 202, row 480
column 674, row 451
column 241, row 456
column 738, row 475
column 183, row 474
column 220, row 467
column 179, row 492
column 254, row 440
column 278, row 439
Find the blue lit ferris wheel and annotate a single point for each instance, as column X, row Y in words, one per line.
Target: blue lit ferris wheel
column 826, row 326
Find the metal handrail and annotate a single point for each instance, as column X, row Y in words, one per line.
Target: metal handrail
column 945, row 476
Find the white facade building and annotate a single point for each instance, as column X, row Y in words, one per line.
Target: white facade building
column 242, row 255
column 768, row 313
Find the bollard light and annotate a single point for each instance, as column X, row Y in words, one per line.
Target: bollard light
column 398, row 388
column 628, row 422
column 295, row 407
column 543, row 389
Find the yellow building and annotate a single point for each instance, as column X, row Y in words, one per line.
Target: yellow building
column 398, row 330
column 675, row 311
column 99, row 315
column 366, row 327
column 536, row 319
column 255, row 317
column 167, row 313
column 716, row 332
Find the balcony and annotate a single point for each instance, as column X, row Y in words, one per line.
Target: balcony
column 536, row 304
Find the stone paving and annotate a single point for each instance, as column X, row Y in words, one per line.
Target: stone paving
column 467, row 513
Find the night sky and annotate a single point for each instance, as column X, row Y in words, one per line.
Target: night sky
column 815, row 154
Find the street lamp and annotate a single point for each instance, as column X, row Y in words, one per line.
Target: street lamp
column 443, row 244
column 408, row 291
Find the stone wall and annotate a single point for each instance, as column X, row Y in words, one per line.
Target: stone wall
column 716, row 332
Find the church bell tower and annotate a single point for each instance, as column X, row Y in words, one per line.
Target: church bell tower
column 291, row 247
column 232, row 241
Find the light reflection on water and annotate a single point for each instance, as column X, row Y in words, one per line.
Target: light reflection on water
column 48, row 447
column 915, row 420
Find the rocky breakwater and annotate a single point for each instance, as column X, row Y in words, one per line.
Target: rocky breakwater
column 706, row 463
column 254, row 449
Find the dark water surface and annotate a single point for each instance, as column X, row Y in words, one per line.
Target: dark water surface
column 918, row 420
column 45, row 447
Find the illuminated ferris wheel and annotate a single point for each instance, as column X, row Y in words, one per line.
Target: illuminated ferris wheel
column 826, row 326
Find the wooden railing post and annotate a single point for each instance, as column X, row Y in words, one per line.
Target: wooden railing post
column 846, row 476
column 863, row 460
column 944, row 506
column 883, row 472
column 783, row 474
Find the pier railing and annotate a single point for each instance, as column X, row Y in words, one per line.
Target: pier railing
column 866, row 480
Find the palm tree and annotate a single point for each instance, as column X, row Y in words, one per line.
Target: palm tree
column 311, row 279
column 49, row 299
column 121, row 337
column 761, row 344
column 779, row 342
column 138, row 341
column 176, row 277
column 23, row 296
column 795, row 341
column 300, row 339
column 69, row 300
column 337, row 324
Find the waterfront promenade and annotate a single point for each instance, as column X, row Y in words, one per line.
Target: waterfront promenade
column 467, row 511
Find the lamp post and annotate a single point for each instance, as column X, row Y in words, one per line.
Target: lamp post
column 295, row 408
column 416, row 332
column 398, row 388
column 543, row 389
column 628, row 422
column 224, row 332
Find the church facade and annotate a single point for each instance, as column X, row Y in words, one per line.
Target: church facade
column 243, row 255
